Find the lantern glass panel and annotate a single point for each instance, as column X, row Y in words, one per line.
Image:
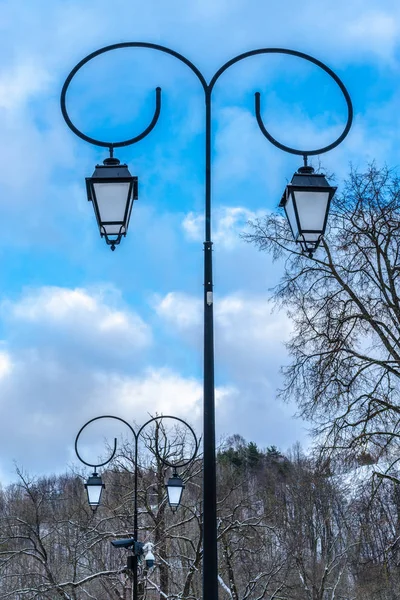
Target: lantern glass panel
column 94, row 487
column 174, row 495
column 311, row 209
column 112, row 200
column 291, row 216
column 94, row 494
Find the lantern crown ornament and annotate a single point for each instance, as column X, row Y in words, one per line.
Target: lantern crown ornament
column 112, row 190
column 94, row 488
column 306, row 201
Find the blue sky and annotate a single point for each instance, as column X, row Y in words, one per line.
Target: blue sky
column 85, row 331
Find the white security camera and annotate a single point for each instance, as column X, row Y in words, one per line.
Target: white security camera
column 149, row 557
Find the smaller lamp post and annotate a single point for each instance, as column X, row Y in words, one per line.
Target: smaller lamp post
column 112, row 189
column 94, row 488
column 306, row 201
column 175, row 487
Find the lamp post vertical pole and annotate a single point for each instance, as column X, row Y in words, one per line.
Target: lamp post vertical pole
column 210, row 557
column 135, row 522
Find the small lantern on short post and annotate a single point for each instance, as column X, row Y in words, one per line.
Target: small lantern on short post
column 175, row 487
column 306, row 201
column 94, row 488
column 112, row 190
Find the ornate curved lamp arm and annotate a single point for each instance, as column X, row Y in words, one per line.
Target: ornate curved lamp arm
column 137, row 138
column 111, row 145
column 115, row 440
column 261, row 125
column 208, row 88
column 157, row 450
column 136, row 437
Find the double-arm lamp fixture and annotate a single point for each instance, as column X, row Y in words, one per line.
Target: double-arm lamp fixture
column 94, row 485
column 112, row 190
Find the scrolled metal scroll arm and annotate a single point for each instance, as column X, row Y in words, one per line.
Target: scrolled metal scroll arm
column 96, row 465
column 208, row 90
column 136, row 436
column 109, row 145
column 306, row 153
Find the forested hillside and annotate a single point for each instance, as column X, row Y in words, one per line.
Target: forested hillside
column 289, row 528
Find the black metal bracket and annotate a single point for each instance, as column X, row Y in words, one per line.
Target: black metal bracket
column 136, row 436
column 208, row 90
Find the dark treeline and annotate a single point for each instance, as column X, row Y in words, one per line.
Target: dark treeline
column 289, row 528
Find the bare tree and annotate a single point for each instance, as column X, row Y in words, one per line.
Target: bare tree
column 50, row 545
column 289, row 528
column 345, row 307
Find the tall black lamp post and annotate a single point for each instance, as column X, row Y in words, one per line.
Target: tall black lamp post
column 306, row 203
column 174, row 487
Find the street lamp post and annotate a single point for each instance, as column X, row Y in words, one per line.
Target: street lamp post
column 307, row 228
column 94, row 487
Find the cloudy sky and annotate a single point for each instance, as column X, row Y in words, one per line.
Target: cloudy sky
column 85, row 331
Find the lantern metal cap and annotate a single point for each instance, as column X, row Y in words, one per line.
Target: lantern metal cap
column 111, row 169
column 176, row 481
column 111, row 161
column 94, row 479
column 306, row 179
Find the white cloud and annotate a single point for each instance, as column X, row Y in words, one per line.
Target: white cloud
column 248, row 332
column 193, row 226
column 75, row 352
column 156, row 391
column 55, row 304
column 376, row 28
column 83, row 318
column 44, row 403
column 20, row 83
column 228, row 223
column 250, row 322
column 249, row 353
column 181, row 310
column 5, row 364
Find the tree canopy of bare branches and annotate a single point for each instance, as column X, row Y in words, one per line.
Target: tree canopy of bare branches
column 289, row 528
column 344, row 304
